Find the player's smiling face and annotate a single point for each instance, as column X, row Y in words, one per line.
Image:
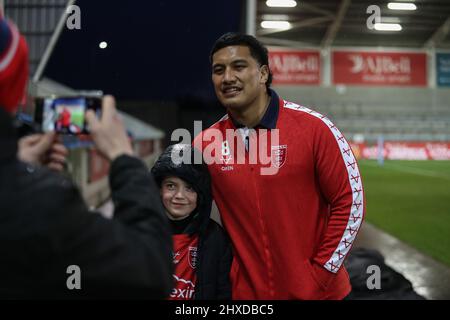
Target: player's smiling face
column 237, row 77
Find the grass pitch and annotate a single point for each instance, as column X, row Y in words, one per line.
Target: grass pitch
column 411, row 201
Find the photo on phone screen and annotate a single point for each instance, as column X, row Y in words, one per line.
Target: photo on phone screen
column 65, row 115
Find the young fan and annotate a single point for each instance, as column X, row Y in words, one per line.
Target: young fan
column 202, row 252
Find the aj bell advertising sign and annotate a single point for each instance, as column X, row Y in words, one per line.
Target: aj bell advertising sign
column 295, row 67
column 379, row 68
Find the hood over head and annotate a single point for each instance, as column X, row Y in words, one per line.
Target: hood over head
column 185, row 162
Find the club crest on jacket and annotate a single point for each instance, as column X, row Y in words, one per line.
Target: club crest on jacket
column 279, row 154
column 192, row 257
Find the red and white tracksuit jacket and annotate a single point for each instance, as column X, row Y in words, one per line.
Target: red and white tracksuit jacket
column 292, row 230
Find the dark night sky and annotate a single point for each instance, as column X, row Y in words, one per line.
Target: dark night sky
column 156, row 49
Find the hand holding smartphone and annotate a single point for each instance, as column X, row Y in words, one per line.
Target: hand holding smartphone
column 69, row 115
column 65, row 115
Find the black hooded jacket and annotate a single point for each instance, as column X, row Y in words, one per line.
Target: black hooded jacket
column 45, row 228
column 214, row 248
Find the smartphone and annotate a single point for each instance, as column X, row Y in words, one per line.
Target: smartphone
column 65, row 115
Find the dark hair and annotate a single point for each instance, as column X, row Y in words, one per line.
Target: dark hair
column 257, row 49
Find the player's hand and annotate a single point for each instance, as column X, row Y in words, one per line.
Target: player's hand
column 108, row 133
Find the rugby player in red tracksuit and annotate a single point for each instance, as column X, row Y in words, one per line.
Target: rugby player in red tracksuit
column 291, row 230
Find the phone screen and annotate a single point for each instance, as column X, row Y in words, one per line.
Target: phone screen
column 65, row 115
